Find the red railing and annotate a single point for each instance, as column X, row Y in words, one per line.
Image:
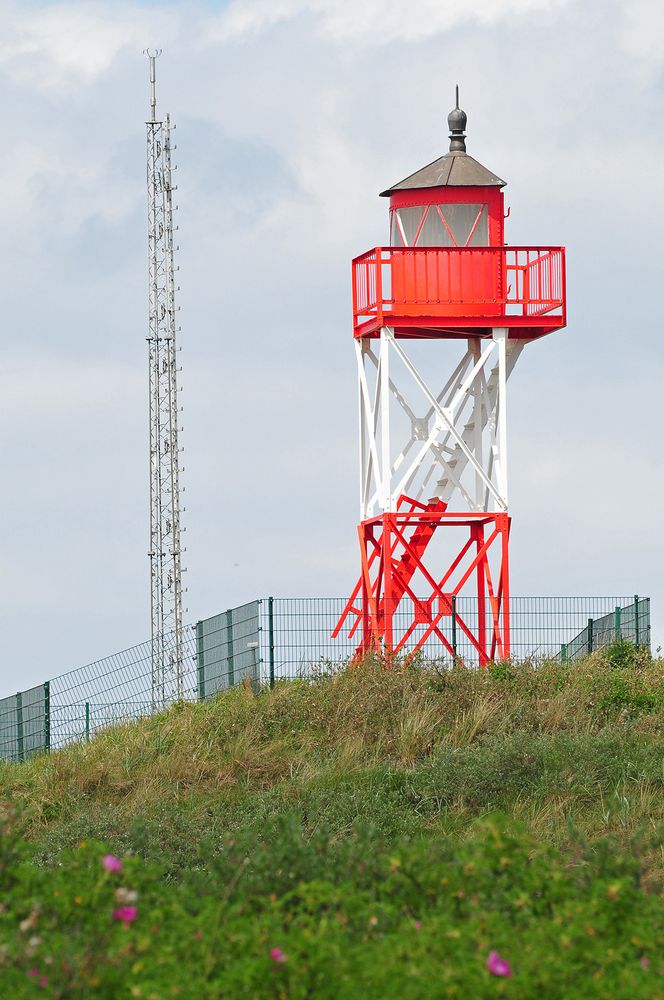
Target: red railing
column 522, row 286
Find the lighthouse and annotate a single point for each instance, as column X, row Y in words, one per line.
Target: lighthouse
column 434, row 513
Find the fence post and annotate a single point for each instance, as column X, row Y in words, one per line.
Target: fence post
column 563, row 653
column 270, row 629
column 87, row 722
column 19, row 726
column 200, row 661
column 229, row 646
column 590, row 635
column 617, row 621
column 47, row 716
column 454, row 629
column 637, row 630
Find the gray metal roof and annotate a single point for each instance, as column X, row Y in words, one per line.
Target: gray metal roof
column 452, row 170
column 456, row 168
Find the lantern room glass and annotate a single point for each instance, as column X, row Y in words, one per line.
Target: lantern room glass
column 453, row 225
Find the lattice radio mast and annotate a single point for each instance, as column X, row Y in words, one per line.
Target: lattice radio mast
column 165, row 548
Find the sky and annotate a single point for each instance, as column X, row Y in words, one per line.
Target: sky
column 291, row 116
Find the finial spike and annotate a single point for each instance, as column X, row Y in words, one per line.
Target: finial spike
column 456, row 121
column 152, row 55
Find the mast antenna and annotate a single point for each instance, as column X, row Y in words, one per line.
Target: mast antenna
column 152, row 55
column 165, row 546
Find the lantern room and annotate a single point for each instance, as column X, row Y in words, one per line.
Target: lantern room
column 452, row 202
column 447, row 271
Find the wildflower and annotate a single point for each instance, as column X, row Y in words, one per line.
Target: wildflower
column 111, row 863
column 126, row 895
column 645, row 962
column 33, row 973
column 29, row 922
column 32, row 945
column 127, row 914
column 43, row 982
column 418, row 925
column 277, row 955
column 498, row 966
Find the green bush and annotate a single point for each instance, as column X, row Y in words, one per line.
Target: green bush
column 503, row 670
column 626, row 693
column 296, row 918
column 621, row 654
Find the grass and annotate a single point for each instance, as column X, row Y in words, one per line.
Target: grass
column 559, row 747
column 321, row 783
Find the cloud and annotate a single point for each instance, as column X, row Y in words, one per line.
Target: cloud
column 66, row 45
column 373, row 22
column 642, row 31
column 43, row 388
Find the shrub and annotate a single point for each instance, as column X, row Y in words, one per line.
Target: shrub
column 496, row 915
column 631, row 695
column 621, row 654
column 503, row 670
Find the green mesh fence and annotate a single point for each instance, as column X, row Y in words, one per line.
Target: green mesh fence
column 228, row 649
column 631, row 623
column 25, row 723
column 272, row 639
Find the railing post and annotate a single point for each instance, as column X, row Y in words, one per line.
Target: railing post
column 354, row 294
column 200, row 661
column 87, row 722
column 229, row 647
column 590, row 635
column 617, row 621
column 563, row 653
column 379, row 285
column 19, row 726
column 454, row 630
column 270, row 629
column 47, row 716
column 637, row 630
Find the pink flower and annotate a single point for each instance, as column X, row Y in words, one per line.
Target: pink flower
column 111, row 863
column 418, row 925
column 33, row 973
column 498, row 966
column 127, row 914
column 277, row 955
column 645, row 962
column 43, row 982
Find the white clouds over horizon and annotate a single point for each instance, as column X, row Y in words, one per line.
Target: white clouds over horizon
column 291, row 116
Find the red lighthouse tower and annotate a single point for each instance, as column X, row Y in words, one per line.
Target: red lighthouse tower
column 433, row 458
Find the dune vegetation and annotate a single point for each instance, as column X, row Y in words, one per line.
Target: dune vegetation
column 402, row 831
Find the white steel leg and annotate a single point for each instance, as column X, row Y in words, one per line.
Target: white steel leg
column 385, row 417
column 500, row 338
column 460, row 441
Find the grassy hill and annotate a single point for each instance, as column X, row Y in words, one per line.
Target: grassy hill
column 377, row 833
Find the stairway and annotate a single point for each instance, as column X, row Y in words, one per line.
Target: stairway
column 405, row 568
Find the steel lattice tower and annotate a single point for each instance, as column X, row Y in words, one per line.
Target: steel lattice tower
column 165, row 547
